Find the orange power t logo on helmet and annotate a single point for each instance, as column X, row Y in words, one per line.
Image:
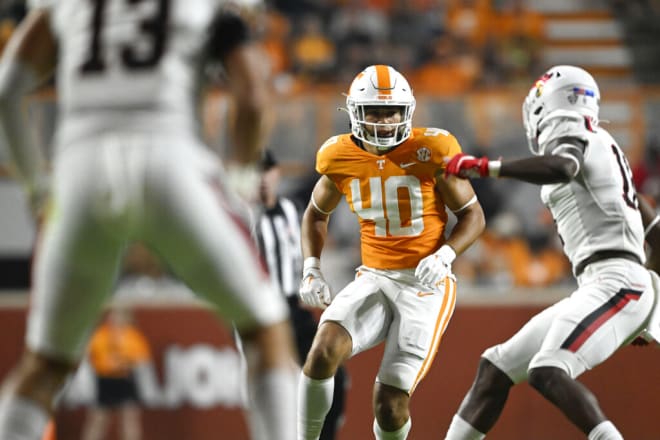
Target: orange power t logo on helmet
column 384, row 84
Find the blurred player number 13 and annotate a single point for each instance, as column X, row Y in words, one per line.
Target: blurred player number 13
column 151, row 36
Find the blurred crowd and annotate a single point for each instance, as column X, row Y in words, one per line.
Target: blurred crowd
column 444, row 47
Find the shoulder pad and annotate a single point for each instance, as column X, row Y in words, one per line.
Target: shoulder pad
column 562, row 124
column 328, row 152
column 441, row 142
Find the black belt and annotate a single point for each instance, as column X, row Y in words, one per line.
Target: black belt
column 605, row 255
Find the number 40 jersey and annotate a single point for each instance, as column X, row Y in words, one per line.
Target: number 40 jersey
column 129, row 63
column 402, row 216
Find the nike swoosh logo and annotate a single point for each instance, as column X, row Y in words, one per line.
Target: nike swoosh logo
column 407, row 164
column 423, row 294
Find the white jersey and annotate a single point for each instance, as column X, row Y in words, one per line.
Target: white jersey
column 598, row 209
column 129, row 64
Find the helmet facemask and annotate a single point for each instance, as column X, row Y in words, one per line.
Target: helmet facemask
column 373, row 132
column 380, row 87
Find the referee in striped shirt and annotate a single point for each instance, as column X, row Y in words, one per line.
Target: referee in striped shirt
column 278, row 236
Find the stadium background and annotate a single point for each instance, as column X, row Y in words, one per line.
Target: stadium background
column 470, row 63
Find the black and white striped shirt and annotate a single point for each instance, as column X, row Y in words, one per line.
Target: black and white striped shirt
column 278, row 236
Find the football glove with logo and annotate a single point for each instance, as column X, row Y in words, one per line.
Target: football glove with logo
column 436, row 267
column 466, row 166
column 314, row 290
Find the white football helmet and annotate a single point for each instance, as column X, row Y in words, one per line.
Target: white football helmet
column 380, row 86
column 561, row 88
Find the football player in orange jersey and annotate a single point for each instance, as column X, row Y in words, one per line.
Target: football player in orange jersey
column 404, row 293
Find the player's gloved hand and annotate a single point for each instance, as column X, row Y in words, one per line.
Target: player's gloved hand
column 244, row 181
column 466, row 166
column 433, row 269
column 314, row 290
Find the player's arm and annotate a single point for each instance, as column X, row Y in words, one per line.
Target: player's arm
column 247, row 77
column 541, row 170
column 314, row 290
column 29, row 58
column 314, row 227
column 460, row 198
column 561, row 164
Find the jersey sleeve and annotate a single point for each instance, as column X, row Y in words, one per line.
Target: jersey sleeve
column 443, row 145
column 565, row 135
column 453, row 147
column 325, row 155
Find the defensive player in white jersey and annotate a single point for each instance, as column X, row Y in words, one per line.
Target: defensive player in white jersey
column 130, row 165
column 586, row 184
column 404, row 292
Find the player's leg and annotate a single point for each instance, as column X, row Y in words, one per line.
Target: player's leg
column 75, row 266
column 420, row 318
column 27, row 396
column 610, row 307
column 342, row 333
column 192, row 226
column 331, row 347
column 500, row 367
column 483, row 403
column 305, row 327
column 391, row 406
column 334, row 418
column 130, row 423
column 574, row 399
column 97, row 421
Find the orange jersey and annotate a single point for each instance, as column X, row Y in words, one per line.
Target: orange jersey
column 402, row 217
column 115, row 350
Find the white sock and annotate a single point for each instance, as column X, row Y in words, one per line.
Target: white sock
column 273, row 405
column 314, row 402
column 399, row 434
column 605, row 431
column 21, row 419
column 459, row 429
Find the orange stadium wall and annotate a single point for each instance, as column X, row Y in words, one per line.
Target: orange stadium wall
column 628, row 385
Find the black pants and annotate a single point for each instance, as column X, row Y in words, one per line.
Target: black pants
column 304, row 327
column 116, row 391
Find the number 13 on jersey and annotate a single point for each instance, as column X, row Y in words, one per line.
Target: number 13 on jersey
column 392, row 215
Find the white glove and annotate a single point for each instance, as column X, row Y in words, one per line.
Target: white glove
column 433, row 269
column 314, row 290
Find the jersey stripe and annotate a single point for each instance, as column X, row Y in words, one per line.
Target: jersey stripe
column 444, row 315
column 598, row 317
column 383, row 77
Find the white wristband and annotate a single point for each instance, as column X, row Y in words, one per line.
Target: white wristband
column 494, row 167
column 311, row 263
column 446, row 253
